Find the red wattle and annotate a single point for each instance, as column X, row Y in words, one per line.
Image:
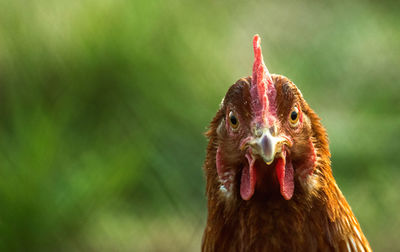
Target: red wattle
column 248, row 179
column 285, row 174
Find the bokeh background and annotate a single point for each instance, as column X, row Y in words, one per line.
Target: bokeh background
column 103, row 106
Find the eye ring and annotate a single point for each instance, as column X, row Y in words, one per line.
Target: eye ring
column 294, row 117
column 233, row 121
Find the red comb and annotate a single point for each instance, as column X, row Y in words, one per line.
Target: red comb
column 262, row 90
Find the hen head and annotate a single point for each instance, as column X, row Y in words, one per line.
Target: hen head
column 265, row 136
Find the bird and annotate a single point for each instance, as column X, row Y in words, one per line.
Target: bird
column 269, row 182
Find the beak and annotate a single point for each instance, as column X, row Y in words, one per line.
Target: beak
column 268, row 144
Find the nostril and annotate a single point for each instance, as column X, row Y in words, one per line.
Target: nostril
column 258, row 132
column 273, row 130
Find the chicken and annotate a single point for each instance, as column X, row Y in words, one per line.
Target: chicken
column 269, row 180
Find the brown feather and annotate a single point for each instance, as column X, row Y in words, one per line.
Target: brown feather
column 316, row 218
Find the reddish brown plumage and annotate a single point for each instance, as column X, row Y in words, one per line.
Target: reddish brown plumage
column 317, row 216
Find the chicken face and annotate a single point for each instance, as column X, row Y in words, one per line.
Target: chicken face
column 265, row 140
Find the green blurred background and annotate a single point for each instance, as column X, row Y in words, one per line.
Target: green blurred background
column 103, row 106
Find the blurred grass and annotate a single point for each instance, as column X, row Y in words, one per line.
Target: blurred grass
column 103, row 105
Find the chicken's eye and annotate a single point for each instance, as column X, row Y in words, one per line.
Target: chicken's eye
column 294, row 117
column 233, row 121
